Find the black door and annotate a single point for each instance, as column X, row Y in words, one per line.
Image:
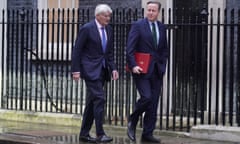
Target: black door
column 190, row 56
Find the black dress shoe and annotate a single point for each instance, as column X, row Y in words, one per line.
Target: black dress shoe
column 131, row 131
column 103, row 139
column 150, row 139
column 87, row 138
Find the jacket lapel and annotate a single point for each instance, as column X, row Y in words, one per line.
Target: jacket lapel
column 160, row 32
column 160, row 28
column 149, row 32
column 97, row 34
column 108, row 37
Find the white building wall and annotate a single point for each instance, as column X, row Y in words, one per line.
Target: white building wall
column 2, row 6
column 214, row 5
column 42, row 4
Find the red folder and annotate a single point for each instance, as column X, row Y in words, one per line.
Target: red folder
column 142, row 60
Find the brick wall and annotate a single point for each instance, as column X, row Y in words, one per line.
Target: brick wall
column 17, row 32
column 18, row 4
column 233, row 4
column 114, row 4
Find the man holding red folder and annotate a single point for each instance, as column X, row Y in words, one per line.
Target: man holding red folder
column 147, row 36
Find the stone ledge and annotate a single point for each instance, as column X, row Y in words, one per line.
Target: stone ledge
column 210, row 132
column 17, row 139
column 41, row 117
column 213, row 132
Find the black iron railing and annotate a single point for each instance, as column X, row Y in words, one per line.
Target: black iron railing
column 201, row 85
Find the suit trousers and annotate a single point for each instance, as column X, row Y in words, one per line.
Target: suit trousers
column 149, row 90
column 94, row 108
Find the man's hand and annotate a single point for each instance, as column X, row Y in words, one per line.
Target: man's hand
column 137, row 70
column 76, row 76
column 115, row 74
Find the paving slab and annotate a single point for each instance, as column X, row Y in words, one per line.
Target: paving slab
column 12, row 132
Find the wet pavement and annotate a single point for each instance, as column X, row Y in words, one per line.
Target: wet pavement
column 12, row 132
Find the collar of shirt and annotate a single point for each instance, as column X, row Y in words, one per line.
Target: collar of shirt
column 150, row 24
column 156, row 26
column 99, row 26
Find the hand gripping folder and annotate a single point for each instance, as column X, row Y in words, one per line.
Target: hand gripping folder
column 142, row 60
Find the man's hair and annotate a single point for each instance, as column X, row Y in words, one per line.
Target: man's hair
column 102, row 8
column 155, row 2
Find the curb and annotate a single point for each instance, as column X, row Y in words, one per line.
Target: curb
column 41, row 117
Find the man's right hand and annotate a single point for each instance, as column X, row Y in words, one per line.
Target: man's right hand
column 137, row 70
column 76, row 76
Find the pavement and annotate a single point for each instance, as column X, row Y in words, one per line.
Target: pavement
column 15, row 132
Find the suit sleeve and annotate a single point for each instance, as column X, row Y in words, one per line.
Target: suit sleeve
column 132, row 42
column 77, row 49
column 110, row 54
column 164, row 51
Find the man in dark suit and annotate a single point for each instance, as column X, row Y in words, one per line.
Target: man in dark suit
column 147, row 35
column 92, row 59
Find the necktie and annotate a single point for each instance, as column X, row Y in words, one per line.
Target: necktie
column 154, row 34
column 104, row 43
column 104, row 40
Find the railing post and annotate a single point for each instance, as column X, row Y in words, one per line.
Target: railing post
column 204, row 14
column 22, row 15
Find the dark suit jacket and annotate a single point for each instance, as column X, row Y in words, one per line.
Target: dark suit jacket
column 140, row 39
column 87, row 54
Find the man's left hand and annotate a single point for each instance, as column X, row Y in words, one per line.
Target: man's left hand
column 115, row 74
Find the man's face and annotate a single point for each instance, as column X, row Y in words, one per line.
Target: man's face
column 152, row 12
column 104, row 18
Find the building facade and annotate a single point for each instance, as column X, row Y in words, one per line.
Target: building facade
column 182, row 12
